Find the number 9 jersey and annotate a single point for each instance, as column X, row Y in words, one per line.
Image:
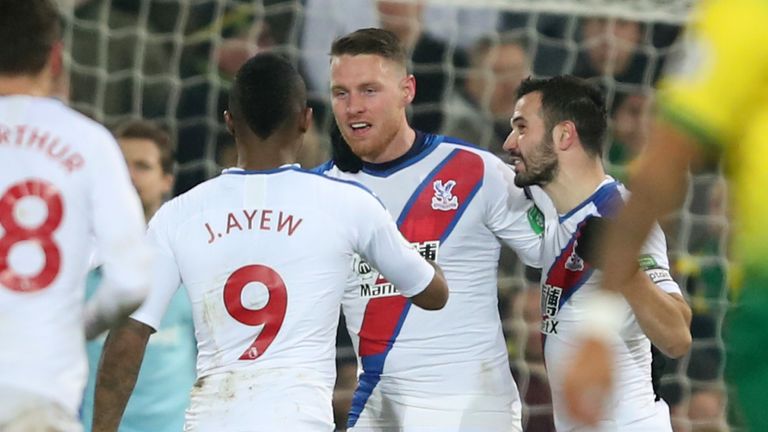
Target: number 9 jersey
column 64, row 189
column 265, row 256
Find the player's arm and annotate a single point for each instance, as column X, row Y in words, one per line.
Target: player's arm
column 109, row 306
column 380, row 242
column 124, row 348
column 118, row 371
column 664, row 317
column 660, row 309
column 435, row 295
column 659, row 188
column 119, row 230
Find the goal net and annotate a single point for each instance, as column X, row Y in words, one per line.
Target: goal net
column 173, row 61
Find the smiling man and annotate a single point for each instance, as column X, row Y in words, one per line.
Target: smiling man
column 426, row 371
column 558, row 130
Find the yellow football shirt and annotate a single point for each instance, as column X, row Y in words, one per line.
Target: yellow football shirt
column 719, row 94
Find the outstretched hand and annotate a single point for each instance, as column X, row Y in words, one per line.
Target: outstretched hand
column 589, row 381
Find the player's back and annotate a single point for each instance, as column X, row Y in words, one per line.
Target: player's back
column 56, row 172
column 265, row 257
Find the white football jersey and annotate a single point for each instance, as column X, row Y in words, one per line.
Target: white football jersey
column 454, row 202
column 265, row 257
column 64, row 189
column 568, row 282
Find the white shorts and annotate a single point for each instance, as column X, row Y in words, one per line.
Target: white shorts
column 21, row 411
column 458, row 414
column 263, row 400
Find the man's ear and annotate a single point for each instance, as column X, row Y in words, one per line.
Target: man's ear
column 58, row 74
column 168, row 180
column 305, row 120
column 56, row 59
column 229, row 122
column 409, row 89
column 564, row 134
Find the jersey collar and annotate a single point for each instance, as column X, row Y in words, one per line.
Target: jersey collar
column 238, row 170
column 423, row 144
column 607, row 199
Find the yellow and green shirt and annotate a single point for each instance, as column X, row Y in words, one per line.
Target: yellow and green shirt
column 719, row 94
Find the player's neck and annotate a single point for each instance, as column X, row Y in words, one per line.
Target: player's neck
column 398, row 146
column 265, row 156
column 574, row 184
column 26, row 85
column 150, row 211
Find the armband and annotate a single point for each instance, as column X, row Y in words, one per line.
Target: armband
column 658, row 275
column 654, row 271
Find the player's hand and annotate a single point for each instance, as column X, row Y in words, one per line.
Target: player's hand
column 589, row 381
column 588, row 243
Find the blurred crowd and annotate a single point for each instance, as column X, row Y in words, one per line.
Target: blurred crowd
column 173, row 62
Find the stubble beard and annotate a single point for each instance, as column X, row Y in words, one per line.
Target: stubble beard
column 373, row 146
column 540, row 167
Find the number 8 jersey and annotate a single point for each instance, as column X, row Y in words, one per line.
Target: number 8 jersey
column 64, row 189
column 265, row 256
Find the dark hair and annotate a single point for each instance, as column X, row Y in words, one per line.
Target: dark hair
column 566, row 97
column 374, row 41
column 143, row 129
column 267, row 94
column 28, row 31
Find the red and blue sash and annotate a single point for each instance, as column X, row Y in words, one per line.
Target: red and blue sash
column 418, row 222
column 569, row 272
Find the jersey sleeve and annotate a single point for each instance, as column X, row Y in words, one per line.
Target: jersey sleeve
column 510, row 215
column 118, row 220
column 165, row 270
column 654, row 261
column 723, row 74
column 379, row 241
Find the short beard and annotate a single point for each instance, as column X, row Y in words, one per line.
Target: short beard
column 541, row 167
column 371, row 150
